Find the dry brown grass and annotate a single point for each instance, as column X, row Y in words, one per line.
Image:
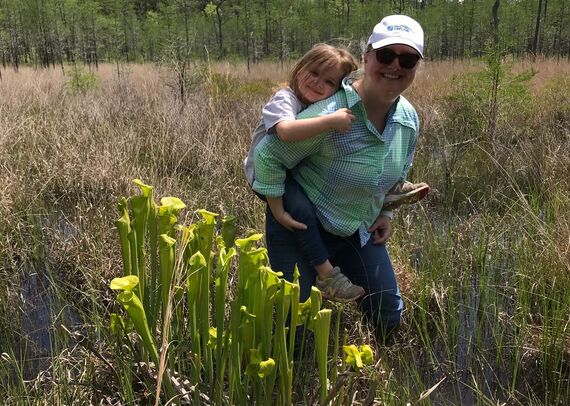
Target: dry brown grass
column 77, row 154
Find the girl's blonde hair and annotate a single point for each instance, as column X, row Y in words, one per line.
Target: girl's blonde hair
column 322, row 56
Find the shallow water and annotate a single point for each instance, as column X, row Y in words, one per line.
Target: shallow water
column 36, row 323
column 40, row 310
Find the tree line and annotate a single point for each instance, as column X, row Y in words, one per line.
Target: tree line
column 52, row 32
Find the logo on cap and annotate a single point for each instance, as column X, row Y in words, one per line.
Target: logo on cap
column 399, row 28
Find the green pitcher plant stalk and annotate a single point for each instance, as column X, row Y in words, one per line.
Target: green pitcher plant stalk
column 321, row 329
column 260, row 370
column 123, row 225
column 134, row 308
column 334, row 370
column 229, row 231
column 197, row 265
column 204, row 236
column 139, row 207
column 320, row 323
column 280, row 348
column 221, row 287
column 153, row 292
column 136, row 312
column 166, row 254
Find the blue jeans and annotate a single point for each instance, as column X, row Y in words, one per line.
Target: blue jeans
column 368, row 266
column 309, row 241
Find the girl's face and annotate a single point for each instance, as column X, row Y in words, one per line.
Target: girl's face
column 318, row 83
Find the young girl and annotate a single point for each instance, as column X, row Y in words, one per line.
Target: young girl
column 316, row 76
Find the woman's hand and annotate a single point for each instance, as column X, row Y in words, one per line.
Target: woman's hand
column 381, row 230
column 341, row 120
column 283, row 217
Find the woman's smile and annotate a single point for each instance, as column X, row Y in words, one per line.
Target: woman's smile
column 391, row 76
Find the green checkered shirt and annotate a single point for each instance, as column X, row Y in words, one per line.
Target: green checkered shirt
column 346, row 176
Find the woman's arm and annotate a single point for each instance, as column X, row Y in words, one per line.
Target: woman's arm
column 411, row 151
column 299, row 130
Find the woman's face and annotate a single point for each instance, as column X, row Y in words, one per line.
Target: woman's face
column 319, row 83
column 389, row 79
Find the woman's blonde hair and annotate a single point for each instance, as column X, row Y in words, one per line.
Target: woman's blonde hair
column 322, row 56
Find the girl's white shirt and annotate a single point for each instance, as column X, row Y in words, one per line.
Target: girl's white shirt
column 283, row 105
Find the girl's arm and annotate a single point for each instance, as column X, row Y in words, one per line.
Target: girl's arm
column 299, row 130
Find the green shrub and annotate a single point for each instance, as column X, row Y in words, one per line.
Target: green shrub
column 80, row 82
column 487, row 116
column 227, row 88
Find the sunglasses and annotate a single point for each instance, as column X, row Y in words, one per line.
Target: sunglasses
column 386, row 56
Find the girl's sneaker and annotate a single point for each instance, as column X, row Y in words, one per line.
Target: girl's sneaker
column 339, row 288
column 405, row 193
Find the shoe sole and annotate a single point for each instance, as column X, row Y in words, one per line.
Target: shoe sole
column 408, row 198
column 340, row 300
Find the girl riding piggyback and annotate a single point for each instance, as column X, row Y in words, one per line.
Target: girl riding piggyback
column 316, row 76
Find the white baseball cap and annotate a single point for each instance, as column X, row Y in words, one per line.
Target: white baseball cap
column 398, row 29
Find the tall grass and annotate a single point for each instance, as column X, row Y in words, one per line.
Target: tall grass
column 483, row 262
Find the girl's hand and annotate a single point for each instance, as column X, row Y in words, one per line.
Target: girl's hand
column 287, row 221
column 282, row 216
column 341, row 120
column 381, row 230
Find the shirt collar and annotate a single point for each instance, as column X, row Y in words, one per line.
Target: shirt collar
column 352, row 96
column 397, row 113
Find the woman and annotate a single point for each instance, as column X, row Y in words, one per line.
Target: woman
column 346, row 176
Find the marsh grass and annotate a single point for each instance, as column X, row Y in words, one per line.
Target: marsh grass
column 483, row 263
